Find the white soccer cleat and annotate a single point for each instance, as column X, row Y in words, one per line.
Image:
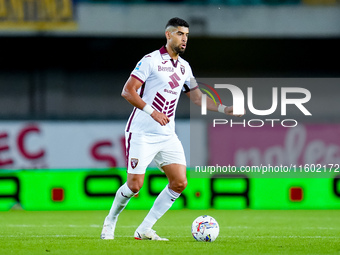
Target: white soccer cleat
column 108, row 231
column 148, row 235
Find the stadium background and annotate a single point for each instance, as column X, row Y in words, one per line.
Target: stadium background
column 62, row 119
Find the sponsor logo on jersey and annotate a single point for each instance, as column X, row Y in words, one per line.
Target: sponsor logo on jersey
column 174, row 80
column 170, row 91
column 164, row 62
column 134, row 162
column 182, row 69
column 165, row 69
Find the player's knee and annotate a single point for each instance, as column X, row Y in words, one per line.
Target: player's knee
column 135, row 187
column 179, row 186
column 135, row 182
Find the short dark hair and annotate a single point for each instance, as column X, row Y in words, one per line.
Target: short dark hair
column 177, row 22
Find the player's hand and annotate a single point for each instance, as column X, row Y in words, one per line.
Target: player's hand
column 161, row 118
column 229, row 110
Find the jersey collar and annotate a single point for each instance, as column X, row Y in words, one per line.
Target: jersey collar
column 165, row 55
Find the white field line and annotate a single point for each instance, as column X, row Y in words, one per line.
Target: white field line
column 64, row 226
column 243, row 237
column 135, row 226
column 287, row 237
column 34, row 236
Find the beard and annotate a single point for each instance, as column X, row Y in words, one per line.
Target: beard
column 178, row 50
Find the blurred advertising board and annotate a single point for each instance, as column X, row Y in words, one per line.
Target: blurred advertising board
column 51, row 145
column 300, row 145
column 37, row 14
column 87, row 189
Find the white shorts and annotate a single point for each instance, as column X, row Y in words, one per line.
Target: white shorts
column 141, row 149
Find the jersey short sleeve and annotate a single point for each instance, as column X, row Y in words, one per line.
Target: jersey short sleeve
column 190, row 82
column 143, row 69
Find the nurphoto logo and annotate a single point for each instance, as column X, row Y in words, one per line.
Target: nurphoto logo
column 239, row 105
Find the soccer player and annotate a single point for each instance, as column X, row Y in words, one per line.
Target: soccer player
column 153, row 88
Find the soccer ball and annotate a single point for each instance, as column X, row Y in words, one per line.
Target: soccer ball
column 205, row 229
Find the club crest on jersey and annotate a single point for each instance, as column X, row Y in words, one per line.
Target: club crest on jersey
column 134, row 162
column 182, row 69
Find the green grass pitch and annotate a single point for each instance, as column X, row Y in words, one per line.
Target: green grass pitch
column 241, row 232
